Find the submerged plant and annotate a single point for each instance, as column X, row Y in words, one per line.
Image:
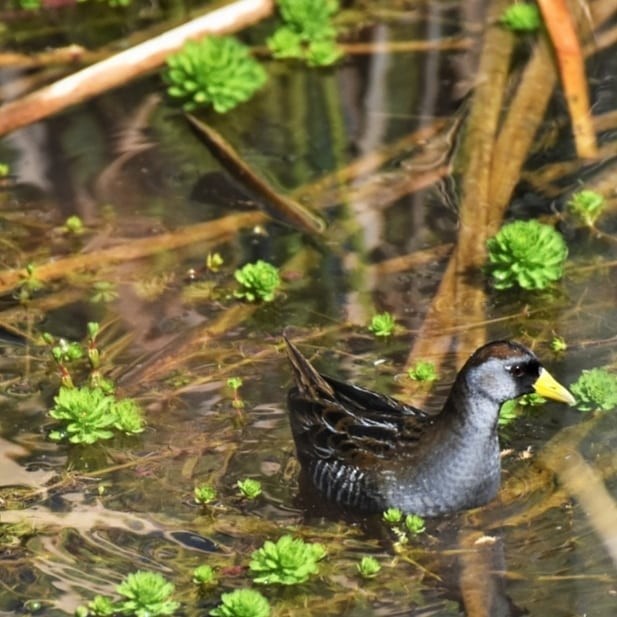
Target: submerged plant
column 595, row 389
column 249, row 488
column 368, row 567
column 289, row 561
column 242, row 603
column 217, row 71
column 586, row 206
column 526, row 253
column 214, row 261
column 103, row 292
column 558, row 343
column 5, row 170
column 521, row 17
column 423, row 370
column 259, row 281
column 307, row 32
column 74, row 225
column 204, row 575
column 234, row 384
column 382, row 324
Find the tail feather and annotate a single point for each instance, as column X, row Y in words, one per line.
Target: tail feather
column 308, row 381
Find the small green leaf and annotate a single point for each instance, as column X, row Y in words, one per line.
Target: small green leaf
column 423, row 371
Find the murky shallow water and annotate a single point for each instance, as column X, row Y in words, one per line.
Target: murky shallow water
column 102, row 511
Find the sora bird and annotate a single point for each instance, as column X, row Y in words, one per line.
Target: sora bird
column 369, row 452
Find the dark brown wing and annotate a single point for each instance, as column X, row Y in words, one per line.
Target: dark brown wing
column 333, row 420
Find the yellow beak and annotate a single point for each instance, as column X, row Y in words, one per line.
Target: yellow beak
column 548, row 387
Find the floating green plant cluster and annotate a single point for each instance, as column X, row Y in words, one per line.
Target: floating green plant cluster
column 91, row 412
column 144, row 594
column 368, row 567
column 403, row 527
column 89, row 415
column 217, row 71
column 259, row 281
column 382, row 324
column 586, row 206
column 288, row 561
column 204, row 575
column 205, row 494
column 307, row 33
column 249, row 488
column 595, row 389
column 423, row 370
column 242, row 603
column 521, row 17
column 527, row 254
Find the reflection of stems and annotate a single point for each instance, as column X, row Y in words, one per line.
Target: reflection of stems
column 212, row 231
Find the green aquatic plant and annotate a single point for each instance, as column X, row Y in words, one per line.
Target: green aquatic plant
column 392, row 516
column 368, row 567
column 423, row 370
column 586, row 206
column 521, row 17
column 259, row 281
column 214, row 261
column 204, row 575
column 307, row 32
column 144, row 594
column 205, row 494
column 249, row 488
column 415, row 524
column 558, row 343
column 526, row 253
column 89, row 415
column 86, row 414
column 217, row 71
column 104, row 292
column 595, row 389
column 234, row 384
column 382, row 324
column 242, row 603
column 30, row 283
column 5, row 170
column 74, row 225
column 288, row 561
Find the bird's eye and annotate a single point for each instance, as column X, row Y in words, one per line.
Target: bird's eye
column 516, row 370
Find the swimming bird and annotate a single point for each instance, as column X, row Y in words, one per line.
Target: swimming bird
column 368, row 452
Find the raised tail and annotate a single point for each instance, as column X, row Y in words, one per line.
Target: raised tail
column 308, row 381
